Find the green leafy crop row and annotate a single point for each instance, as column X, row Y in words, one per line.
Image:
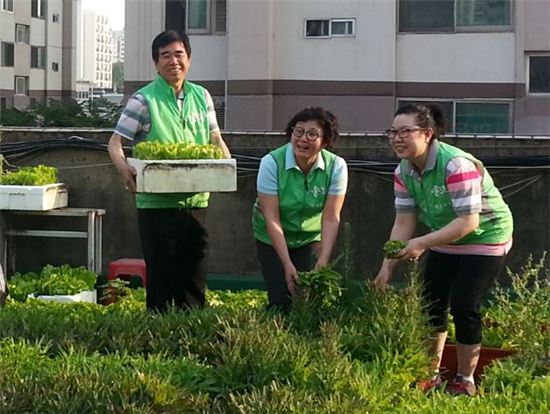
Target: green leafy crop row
column 36, row 175
column 154, row 150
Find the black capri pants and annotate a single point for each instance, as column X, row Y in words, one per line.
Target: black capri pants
column 459, row 282
column 303, row 258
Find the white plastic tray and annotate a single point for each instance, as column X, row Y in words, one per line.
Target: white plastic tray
column 30, row 197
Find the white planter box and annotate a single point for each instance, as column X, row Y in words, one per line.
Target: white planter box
column 185, row 176
column 30, row 197
column 86, row 296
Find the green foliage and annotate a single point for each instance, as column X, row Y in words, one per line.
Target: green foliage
column 35, row 175
column 118, row 76
column 519, row 318
column 65, row 113
column 154, row 150
column 393, row 247
column 63, row 280
column 322, row 286
column 361, row 355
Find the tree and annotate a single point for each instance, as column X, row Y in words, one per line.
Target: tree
column 118, row 77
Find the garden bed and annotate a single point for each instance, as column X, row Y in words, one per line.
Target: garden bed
column 361, row 355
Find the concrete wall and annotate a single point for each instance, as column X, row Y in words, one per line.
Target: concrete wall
column 367, row 217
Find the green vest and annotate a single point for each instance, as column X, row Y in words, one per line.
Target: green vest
column 435, row 207
column 170, row 124
column 302, row 199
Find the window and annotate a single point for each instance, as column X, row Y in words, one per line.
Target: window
column 454, row 15
column 470, row 117
column 22, row 33
column 539, row 74
column 7, row 5
column 38, row 57
column 199, row 16
column 329, row 28
column 21, row 85
column 55, row 18
column 7, row 54
column 38, row 8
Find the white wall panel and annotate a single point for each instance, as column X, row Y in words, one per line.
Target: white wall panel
column 457, row 57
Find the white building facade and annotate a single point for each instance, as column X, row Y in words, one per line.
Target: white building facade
column 118, row 46
column 95, row 50
column 38, row 51
column 486, row 62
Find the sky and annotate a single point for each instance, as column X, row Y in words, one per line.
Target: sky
column 113, row 9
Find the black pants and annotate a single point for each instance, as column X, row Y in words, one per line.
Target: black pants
column 174, row 246
column 274, row 274
column 461, row 281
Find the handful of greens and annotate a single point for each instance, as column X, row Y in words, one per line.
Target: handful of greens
column 154, row 150
column 393, row 247
column 324, row 285
column 37, row 175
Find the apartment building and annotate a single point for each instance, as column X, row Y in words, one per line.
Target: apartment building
column 95, row 45
column 118, row 46
column 37, row 46
column 486, row 62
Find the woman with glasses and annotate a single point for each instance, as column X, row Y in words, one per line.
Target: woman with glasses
column 471, row 232
column 301, row 190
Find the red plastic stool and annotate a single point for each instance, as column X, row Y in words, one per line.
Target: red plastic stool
column 123, row 268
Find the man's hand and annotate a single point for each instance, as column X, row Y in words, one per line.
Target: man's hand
column 291, row 278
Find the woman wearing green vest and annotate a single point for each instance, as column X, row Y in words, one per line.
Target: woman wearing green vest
column 471, row 226
column 301, row 190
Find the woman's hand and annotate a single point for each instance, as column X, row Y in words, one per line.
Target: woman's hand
column 291, row 278
column 413, row 250
column 382, row 279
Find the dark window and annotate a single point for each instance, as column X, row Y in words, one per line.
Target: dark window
column 448, row 15
column 38, row 57
column 175, row 15
column 426, row 15
column 55, row 66
column 7, row 54
column 7, row 5
column 317, row 28
column 539, row 74
column 22, row 33
column 38, row 8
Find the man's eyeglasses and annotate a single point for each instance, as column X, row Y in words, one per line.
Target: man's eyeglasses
column 401, row 132
column 311, row 134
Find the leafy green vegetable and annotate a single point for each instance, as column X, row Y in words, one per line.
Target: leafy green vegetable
column 393, row 247
column 63, row 280
column 37, row 175
column 323, row 285
column 154, row 150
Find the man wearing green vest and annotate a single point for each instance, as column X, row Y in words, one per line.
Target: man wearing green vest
column 301, row 191
column 169, row 109
column 471, row 232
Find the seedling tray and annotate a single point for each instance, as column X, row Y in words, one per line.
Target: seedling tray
column 185, row 176
column 31, row 197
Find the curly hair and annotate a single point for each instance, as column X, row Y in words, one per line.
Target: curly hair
column 327, row 120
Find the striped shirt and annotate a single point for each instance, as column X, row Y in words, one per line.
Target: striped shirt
column 463, row 182
column 135, row 123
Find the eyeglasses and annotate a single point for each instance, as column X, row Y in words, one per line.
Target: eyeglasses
column 401, row 132
column 311, row 134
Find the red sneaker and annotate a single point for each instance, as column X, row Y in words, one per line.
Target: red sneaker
column 430, row 384
column 461, row 386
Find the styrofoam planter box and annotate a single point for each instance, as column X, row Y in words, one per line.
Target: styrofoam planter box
column 33, row 197
column 184, row 176
column 85, row 296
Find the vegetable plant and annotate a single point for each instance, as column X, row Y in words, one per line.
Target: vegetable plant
column 36, row 175
column 393, row 247
column 323, row 285
column 154, row 150
column 62, row 280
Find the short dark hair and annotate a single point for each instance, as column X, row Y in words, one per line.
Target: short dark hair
column 327, row 120
column 165, row 38
column 426, row 116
